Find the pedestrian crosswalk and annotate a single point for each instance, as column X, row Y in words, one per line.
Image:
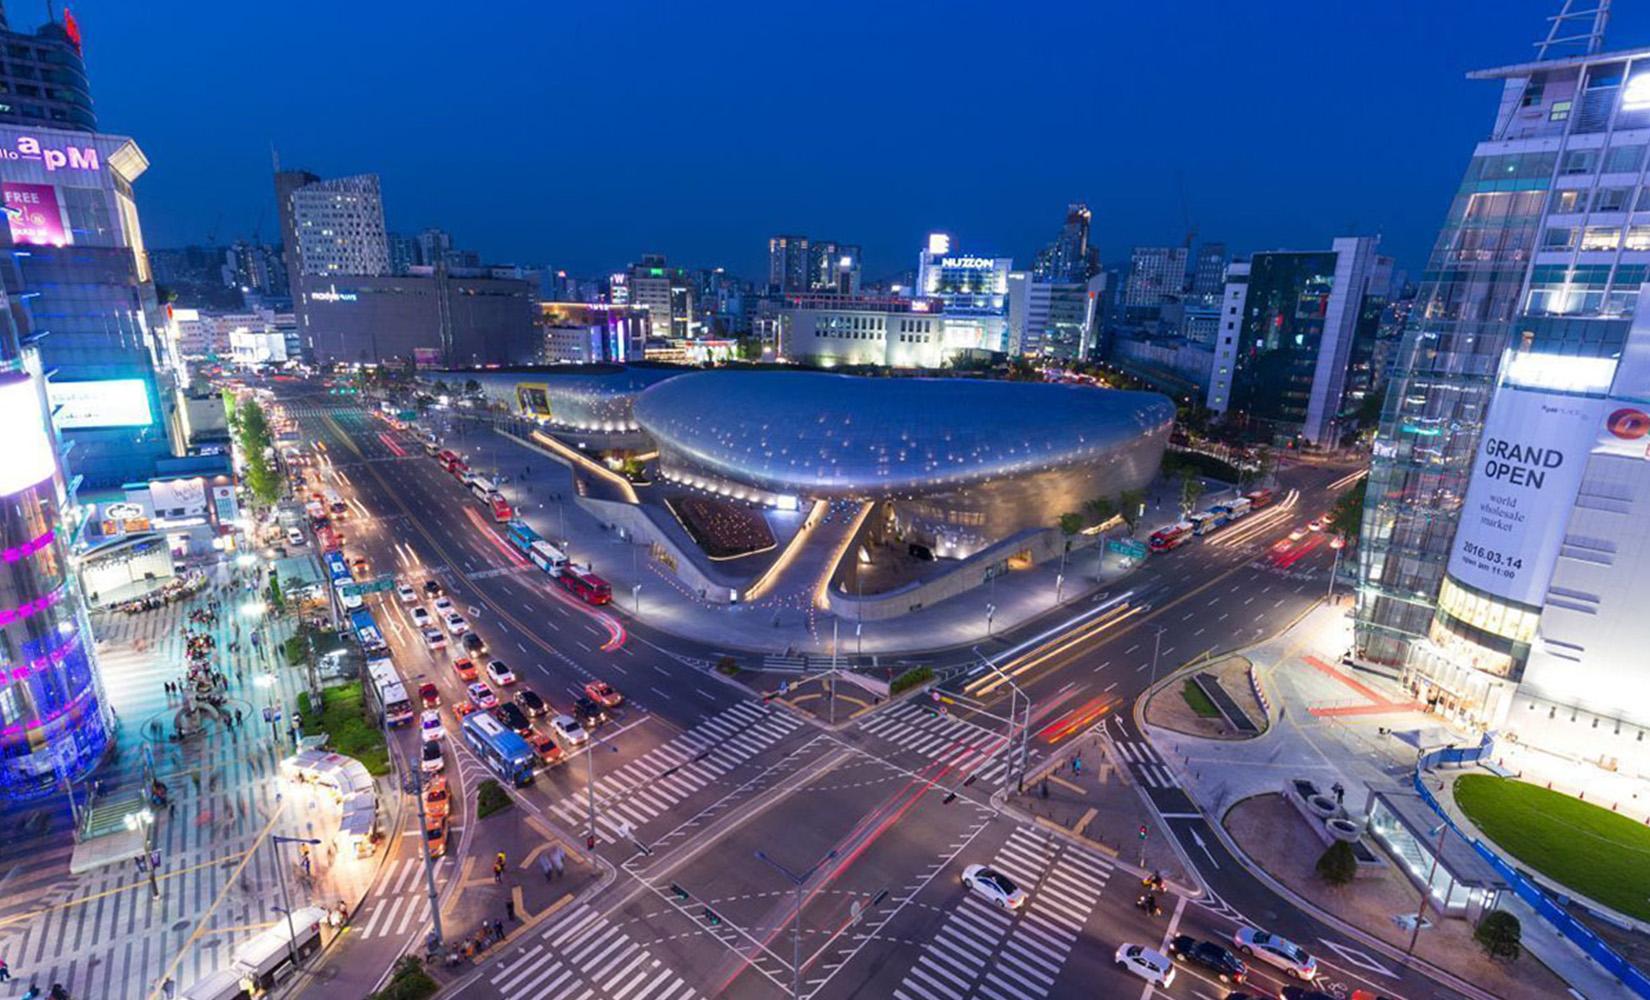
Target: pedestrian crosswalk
column 965, row 746
column 983, row 951
column 581, row 955
column 401, row 903
column 1145, row 764
column 639, row 792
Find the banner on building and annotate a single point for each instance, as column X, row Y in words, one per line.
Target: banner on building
column 34, row 215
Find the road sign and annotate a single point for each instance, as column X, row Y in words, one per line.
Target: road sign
column 1128, row 548
column 361, row 588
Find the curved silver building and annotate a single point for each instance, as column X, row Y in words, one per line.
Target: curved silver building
column 966, row 461
column 590, row 401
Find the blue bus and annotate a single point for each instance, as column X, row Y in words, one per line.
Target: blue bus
column 366, row 630
column 337, row 568
column 507, row 754
column 520, row 535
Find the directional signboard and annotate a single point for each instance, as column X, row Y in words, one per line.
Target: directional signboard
column 1128, row 548
column 361, row 588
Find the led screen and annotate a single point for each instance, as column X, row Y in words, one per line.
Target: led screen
column 121, row 402
column 33, row 214
column 28, row 449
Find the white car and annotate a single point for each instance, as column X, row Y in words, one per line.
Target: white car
column 433, row 639
column 568, row 732
column 443, row 605
column 1276, row 951
column 429, row 724
column 994, row 886
column 455, row 623
column 421, row 618
column 500, row 673
column 294, row 538
column 1152, row 966
column 431, row 758
column 404, row 591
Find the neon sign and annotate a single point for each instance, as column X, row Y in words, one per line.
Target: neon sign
column 30, row 547
column 27, row 608
column 53, row 157
column 969, row 263
column 332, row 294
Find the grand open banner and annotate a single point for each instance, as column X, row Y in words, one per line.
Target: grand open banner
column 1529, row 464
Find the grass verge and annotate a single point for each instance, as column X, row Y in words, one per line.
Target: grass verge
column 490, row 798
column 1198, row 701
column 910, row 679
column 350, row 729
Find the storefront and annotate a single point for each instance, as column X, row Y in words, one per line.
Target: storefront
column 131, row 567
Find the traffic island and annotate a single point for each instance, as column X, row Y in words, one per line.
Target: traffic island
column 1380, row 902
column 1216, row 701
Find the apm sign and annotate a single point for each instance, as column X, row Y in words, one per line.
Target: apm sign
column 54, row 158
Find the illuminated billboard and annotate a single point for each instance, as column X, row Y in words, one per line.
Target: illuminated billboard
column 34, row 215
column 29, row 458
column 120, row 402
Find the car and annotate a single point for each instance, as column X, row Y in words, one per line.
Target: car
column 528, row 701
column 405, row 593
column 474, row 645
column 359, row 566
column 455, row 623
column 603, row 693
column 513, row 718
column 435, row 836
column 295, row 538
column 432, row 588
column 443, row 605
column 437, row 780
column 1276, row 951
column 429, row 695
column 568, row 732
column 1152, row 966
column 1297, row 534
column 1302, row 993
column 429, row 724
column 433, row 639
column 420, row 618
column 437, row 803
column 482, row 695
column 432, row 758
column 500, row 673
column 546, row 748
column 463, row 708
column 994, row 886
column 1214, row 958
column 465, row 668
column 1318, row 523
column 589, row 713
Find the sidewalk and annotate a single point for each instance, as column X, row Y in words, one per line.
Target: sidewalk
column 782, row 623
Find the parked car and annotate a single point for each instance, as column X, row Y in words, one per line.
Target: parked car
column 465, row 668
column 1215, row 958
column 589, row 713
column 437, row 803
column 994, row 886
column 435, row 835
column 432, row 758
column 295, row 538
column 1152, row 966
column 500, row 673
column 568, row 732
column 604, row 694
column 1276, row 951
column 528, row 701
column 429, row 695
column 482, row 695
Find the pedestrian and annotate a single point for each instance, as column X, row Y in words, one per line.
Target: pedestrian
column 237, row 716
column 558, row 860
column 545, row 867
column 5, row 971
column 498, row 873
column 169, row 987
column 509, row 914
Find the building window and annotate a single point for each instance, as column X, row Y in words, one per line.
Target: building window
column 1624, row 159
column 1638, row 238
column 1558, row 238
column 1601, row 238
column 1612, row 199
column 1560, row 111
column 1579, row 161
column 1568, row 200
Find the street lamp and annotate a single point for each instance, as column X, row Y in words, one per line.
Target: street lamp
column 797, row 882
column 280, row 873
column 1337, row 543
column 990, row 613
column 1157, row 647
column 636, row 592
column 1426, row 889
column 1025, row 724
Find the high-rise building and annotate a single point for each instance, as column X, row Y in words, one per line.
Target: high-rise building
column 1209, row 273
column 1071, row 259
column 974, row 291
column 404, row 252
column 338, row 226
column 72, row 225
column 1294, row 368
column 1054, row 320
column 585, row 333
column 787, row 264
column 57, row 719
column 1156, row 274
column 1540, row 226
column 833, row 267
column 884, row 331
column 667, row 292
column 43, row 77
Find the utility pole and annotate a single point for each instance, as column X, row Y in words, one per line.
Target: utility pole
column 797, row 882
column 429, row 862
column 1426, row 892
column 280, row 872
column 1157, row 647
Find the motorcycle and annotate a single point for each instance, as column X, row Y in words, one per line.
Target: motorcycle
column 1154, row 882
column 1148, row 902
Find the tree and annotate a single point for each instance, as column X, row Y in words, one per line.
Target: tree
column 1133, row 504
column 261, row 477
column 1100, row 510
column 1346, row 517
column 1070, row 524
column 1191, row 489
column 1500, row 934
column 1338, row 865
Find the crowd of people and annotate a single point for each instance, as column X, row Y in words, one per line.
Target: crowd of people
column 722, row 529
column 179, row 589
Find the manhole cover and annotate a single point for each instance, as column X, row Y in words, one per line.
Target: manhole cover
column 183, row 925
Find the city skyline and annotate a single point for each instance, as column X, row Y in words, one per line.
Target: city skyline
column 1144, row 157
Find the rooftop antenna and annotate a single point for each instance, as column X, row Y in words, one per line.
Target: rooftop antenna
column 1578, row 25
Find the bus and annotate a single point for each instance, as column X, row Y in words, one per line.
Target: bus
column 521, row 535
column 507, row 754
column 1232, row 509
column 367, row 630
column 1258, row 499
column 547, row 557
column 335, row 503
column 1169, row 538
column 337, row 568
column 387, row 694
column 500, row 507
column 585, row 585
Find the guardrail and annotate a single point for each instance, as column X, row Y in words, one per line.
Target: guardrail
column 1526, row 889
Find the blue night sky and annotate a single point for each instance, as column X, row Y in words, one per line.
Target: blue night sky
column 581, row 135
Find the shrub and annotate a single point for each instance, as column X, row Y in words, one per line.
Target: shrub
column 1198, row 701
column 1338, row 865
column 910, row 679
column 490, row 798
column 296, row 651
column 408, row 982
column 1500, row 934
column 727, row 665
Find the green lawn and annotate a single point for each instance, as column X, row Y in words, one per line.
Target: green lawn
column 1199, row 701
column 349, row 731
column 1590, row 849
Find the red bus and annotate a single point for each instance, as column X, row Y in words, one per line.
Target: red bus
column 500, row 507
column 1171, row 537
column 586, row 586
column 1259, row 499
column 451, row 461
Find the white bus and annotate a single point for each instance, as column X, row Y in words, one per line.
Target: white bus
column 547, row 557
column 388, row 695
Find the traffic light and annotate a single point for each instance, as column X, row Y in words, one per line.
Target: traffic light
column 590, row 841
column 710, row 915
column 680, row 892
column 1142, row 831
